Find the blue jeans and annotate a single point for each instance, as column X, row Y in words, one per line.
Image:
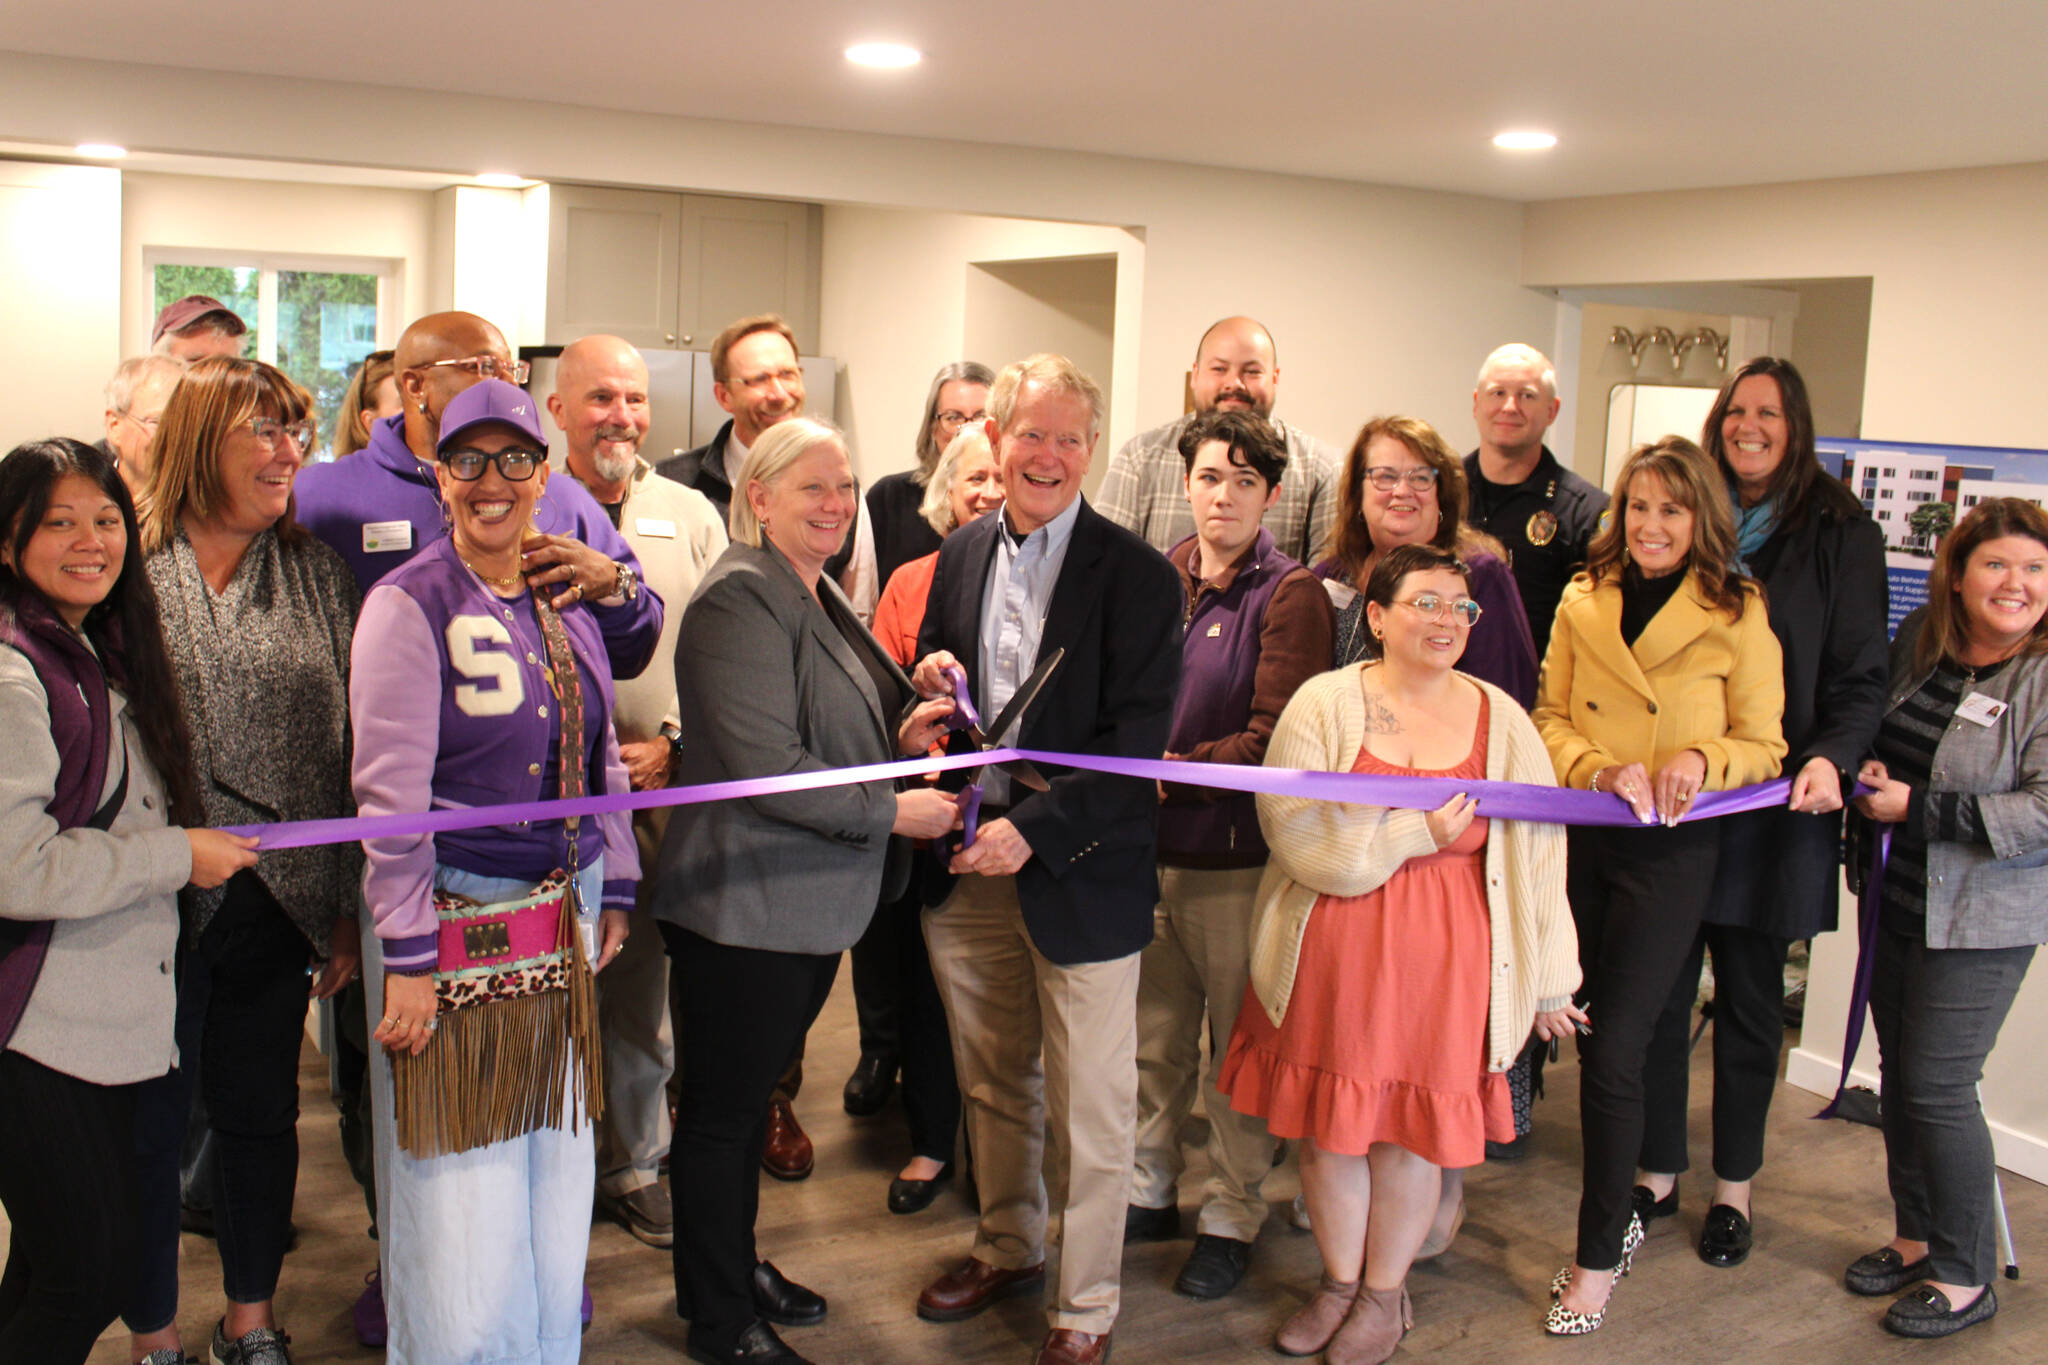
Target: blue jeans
column 482, row 1252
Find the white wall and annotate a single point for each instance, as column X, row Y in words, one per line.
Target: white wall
column 1382, row 299
column 272, row 218
column 1957, row 288
column 60, row 247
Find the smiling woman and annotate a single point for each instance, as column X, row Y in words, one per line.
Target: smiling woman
column 258, row 615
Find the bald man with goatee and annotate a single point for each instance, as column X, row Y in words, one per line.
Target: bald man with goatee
column 600, row 403
column 1237, row 368
column 382, row 507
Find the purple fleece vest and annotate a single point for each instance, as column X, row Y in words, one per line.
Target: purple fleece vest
column 77, row 689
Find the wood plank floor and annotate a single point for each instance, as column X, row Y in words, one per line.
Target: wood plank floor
column 1821, row 1202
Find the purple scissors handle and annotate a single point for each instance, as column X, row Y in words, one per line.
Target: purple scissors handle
column 964, row 716
column 970, row 812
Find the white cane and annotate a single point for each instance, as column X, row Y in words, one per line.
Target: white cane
column 2005, row 1251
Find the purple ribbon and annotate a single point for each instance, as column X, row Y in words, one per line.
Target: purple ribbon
column 1497, row 800
column 1868, row 906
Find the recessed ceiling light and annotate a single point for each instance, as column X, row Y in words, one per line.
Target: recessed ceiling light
column 501, row 180
column 888, row 55
column 1525, row 141
column 101, row 151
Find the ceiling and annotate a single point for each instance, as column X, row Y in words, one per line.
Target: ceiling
column 1644, row 95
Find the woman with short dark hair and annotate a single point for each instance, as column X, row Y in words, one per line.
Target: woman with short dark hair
column 96, row 780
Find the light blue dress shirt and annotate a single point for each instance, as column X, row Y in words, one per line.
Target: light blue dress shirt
column 1020, row 585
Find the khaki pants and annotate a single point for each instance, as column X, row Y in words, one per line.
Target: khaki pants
column 1040, row 1047
column 1199, row 961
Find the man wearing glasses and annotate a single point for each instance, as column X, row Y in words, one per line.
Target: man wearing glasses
column 380, row 510
column 756, row 378
column 1236, row 370
column 136, row 395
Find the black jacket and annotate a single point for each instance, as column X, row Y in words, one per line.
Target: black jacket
column 1828, row 596
column 1090, row 887
column 704, row 470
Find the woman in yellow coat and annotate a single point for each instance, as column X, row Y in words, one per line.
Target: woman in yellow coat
column 1663, row 680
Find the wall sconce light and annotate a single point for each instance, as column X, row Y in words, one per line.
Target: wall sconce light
column 1636, row 345
column 1710, row 343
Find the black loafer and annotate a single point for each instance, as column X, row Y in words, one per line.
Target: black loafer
column 1883, row 1271
column 915, row 1196
column 1214, row 1267
column 1725, row 1239
column 870, row 1085
column 1508, row 1151
column 758, row 1345
column 1151, row 1225
column 782, row 1300
column 1648, row 1205
column 1925, row 1313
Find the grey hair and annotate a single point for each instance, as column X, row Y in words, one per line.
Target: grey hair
column 781, row 446
column 132, row 373
column 937, row 507
column 967, row 371
column 1053, row 373
column 1516, row 353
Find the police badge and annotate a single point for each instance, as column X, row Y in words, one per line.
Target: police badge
column 1542, row 528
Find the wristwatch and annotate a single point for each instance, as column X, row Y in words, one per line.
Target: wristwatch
column 675, row 745
column 627, row 585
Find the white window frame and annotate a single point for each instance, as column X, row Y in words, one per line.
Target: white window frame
column 267, row 265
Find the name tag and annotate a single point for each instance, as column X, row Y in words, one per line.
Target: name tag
column 379, row 536
column 651, row 526
column 1979, row 709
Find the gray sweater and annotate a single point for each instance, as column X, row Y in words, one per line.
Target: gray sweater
column 103, row 1005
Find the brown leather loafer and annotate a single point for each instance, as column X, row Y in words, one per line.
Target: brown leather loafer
column 787, row 1154
column 961, row 1293
column 1064, row 1346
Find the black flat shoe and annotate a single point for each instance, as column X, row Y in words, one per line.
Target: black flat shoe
column 915, row 1196
column 1648, row 1205
column 1925, row 1313
column 1883, row 1271
column 870, row 1085
column 1151, row 1225
column 1725, row 1239
column 782, row 1300
column 1214, row 1267
column 758, row 1345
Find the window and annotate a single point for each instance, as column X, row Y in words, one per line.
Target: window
column 1926, row 474
column 313, row 318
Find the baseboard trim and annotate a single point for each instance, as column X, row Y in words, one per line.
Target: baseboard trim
column 2021, row 1153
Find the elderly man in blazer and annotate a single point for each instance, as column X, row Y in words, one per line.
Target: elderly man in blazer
column 1035, row 945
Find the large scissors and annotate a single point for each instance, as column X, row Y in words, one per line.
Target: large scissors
column 967, row 719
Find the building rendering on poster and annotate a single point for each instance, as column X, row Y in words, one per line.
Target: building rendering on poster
column 1917, row 492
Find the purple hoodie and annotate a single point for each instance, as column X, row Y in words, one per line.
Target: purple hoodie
column 380, row 506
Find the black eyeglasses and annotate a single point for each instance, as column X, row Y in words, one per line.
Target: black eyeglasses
column 516, row 464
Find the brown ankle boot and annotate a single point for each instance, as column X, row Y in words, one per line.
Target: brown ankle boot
column 1311, row 1328
column 1372, row 1329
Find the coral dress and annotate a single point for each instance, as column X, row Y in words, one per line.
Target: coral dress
column 1384, row 1039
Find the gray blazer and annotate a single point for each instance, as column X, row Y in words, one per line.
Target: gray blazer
column 1992, row 896
column 767, row 684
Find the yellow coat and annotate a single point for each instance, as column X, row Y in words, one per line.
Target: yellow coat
column 1692, row 680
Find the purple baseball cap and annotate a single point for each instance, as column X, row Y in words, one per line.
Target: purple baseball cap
column 177, row 316
column 487, row 401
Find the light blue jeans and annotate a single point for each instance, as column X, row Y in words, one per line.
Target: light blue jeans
column 482, row 1252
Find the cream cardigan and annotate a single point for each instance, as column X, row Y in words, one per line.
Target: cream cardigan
column 1347, row 850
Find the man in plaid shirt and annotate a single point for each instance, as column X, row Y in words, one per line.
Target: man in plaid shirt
column 1144, row 489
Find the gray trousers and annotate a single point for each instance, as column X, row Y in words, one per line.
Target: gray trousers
column 1938, row 1012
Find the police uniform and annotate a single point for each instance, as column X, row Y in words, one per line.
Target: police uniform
column 1545, row 522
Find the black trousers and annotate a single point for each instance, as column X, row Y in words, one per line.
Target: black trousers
column 1637, row 895
column 67, row 1181
column 931, row 1092
column 879, row 987
column 241, row 1012
column 1748, row 1035
column 745, row 1013
column 1938, row 1012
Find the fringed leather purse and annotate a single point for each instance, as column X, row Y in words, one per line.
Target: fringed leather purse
column 515, row 1045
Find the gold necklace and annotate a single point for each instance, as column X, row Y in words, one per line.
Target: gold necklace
column 512, row 582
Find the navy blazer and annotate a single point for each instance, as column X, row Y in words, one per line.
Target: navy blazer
column 1089, row 890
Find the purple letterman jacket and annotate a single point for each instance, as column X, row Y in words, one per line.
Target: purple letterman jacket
column 383, row 496
column 449, row 698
